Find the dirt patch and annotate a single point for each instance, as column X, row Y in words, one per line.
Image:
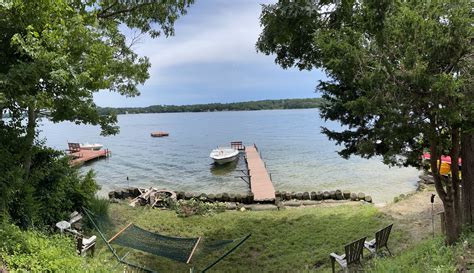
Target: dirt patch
column 414, row 214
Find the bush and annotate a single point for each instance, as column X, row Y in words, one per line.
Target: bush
column 33, row 251
column 186, row 208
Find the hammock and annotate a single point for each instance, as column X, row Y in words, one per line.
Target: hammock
column 174, row 248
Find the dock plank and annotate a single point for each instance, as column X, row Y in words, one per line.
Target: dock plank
column 260, row 182
column 83, row 156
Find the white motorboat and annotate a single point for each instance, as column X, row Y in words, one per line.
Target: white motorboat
column 90, row 146
column 224, row 155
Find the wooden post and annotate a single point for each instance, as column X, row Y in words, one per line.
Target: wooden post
column 443, row 222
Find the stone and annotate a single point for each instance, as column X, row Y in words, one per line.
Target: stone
column 231, row 197
column 353, row 196
column 310, row 202
column 319, row 195
column 238, row 198
column 361, row 196
column 306, row 195
column 368, row 198
column 333, row 195
column 225, row 197
column 230, row 206
column 250, row 198
column 288, row 196
column 313, row 195
column 293, row 203
column 112, row 194
column 326, row 195
column 339, row 195
column 211, row 197
column 180, row 195
column 346, row 194
column 293, row 195
column 277, row 194
column 262, row 207
column 219, row 197
column 299, row 196
column 203, row 197
column 188, row 195
column 242, row 209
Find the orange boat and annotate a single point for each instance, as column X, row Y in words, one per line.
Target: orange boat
column 159, row 134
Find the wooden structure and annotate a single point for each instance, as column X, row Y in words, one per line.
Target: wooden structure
column 159, row 134
column 352, row 256
column 259, row 179
column 237, row 145
column 80, row 156
column 380, row 241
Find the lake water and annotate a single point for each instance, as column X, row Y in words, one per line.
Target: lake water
column 297, row 155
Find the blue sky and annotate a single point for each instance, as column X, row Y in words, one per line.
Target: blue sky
column 212, row 58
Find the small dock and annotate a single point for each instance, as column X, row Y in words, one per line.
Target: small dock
column 260, row 181
column 80, row 156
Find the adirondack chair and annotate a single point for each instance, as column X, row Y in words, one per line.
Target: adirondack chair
column 354, row 251
column 85, row 244
column 380, row 241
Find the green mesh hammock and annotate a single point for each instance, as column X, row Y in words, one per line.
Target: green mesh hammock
column 175, row 248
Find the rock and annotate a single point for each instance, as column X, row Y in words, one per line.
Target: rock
column 242, row 209
column 427, row 179
column 225, row 197
column 361, row 196
column 326, row 195
column 238, row 198
column 306, row 195
column 319, row 195
column 368, row 199
column 293, row 203
column 313, row 195
column 310, row 202
column 299, row 196
column 231, row 197
column 211, row 197
column 180, row 195
column 278, row 194
column 112, row 194
column 188, row 195
column 203, row 197
column 230, row 206
column 219, row 197
column 353, row 196
column 333, row 195
column 136, row 192
column 262, row 207
column 126, row 194
column 288, row 196
column 346, row 194
column 339, row 195
column 293, row 195
column 111, row 200
column 250, row 198
column 282, row 195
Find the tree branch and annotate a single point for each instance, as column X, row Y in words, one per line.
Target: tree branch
column 122, row 11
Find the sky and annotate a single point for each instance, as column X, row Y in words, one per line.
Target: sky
column 212, row 58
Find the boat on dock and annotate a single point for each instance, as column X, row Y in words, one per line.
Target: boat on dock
column 90, row 146
column 223, row 155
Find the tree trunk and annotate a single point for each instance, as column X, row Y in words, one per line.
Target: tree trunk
column 446, row 196
column 454, row 153
column 29, row 138
column 467, row 155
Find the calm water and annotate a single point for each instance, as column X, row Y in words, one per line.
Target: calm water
column 297, row 155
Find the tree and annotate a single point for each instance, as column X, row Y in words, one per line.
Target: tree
column 395, row 80
column 54, row 55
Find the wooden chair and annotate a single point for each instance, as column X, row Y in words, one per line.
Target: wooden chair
column 74, row 147
column 85, row 244
column 380, row 241
column 351, row 257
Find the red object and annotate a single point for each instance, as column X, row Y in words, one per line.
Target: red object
column 445, row 159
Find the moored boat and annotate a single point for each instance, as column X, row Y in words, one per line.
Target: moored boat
column 159, row 134
column 223, row 155
column 90, row 146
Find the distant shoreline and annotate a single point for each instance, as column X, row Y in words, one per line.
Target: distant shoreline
column 281, row 104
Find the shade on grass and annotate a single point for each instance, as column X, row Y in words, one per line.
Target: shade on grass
column 285, row 241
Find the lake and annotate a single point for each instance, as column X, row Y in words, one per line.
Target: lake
column 297, row 155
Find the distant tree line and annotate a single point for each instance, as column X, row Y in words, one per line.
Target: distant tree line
column 212, row 107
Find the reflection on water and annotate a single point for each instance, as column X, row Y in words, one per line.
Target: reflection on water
column 297, row 155
column 225, row 169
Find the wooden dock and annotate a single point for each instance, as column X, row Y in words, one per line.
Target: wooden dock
column 260, row 181
column 82, row 156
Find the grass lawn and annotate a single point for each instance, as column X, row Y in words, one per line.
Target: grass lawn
column 289, row 240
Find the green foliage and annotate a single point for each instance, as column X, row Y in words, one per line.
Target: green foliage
column 55, row 189
column 194, row 206
column 211, row 107
column 431, row 255
column 33, row 251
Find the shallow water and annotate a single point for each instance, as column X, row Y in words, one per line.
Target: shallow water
column 297, row 155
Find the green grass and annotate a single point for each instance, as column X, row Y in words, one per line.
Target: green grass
column 282, row 241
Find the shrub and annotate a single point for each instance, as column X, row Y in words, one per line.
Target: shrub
column 186, row 208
